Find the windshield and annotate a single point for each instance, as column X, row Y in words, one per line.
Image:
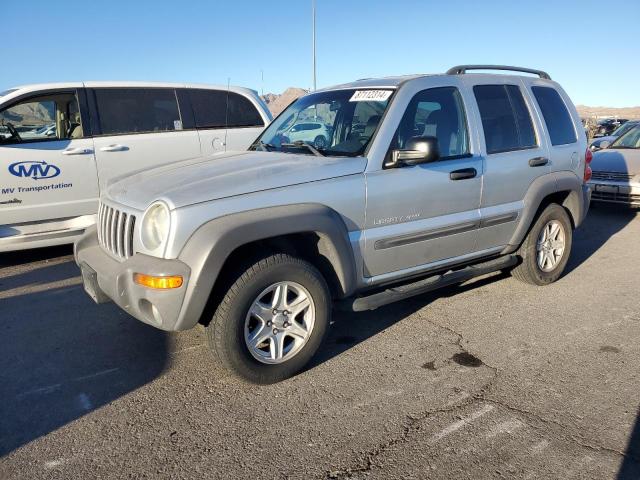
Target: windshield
column 334, row 123
column 622, row 129
column 631, row 139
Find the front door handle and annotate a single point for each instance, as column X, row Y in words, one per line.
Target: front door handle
column 77, row 151
column 538, row 162
column 114, row 148
column 463, row 174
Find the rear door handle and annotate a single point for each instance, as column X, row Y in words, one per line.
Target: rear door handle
column 77, row 151
column 538, row 162
column 114, row 148
column 463, row 174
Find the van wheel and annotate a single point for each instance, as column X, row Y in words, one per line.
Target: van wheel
column 272, row 319
column 546, row 248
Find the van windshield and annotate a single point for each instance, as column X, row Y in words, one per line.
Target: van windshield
column 333, row 123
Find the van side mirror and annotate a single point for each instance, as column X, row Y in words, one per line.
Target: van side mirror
column 417, row 150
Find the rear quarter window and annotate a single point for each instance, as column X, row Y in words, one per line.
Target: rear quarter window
column 556, row 115
column 210, row 109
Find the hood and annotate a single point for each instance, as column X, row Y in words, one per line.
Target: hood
column 219, row 176
column 619, row 160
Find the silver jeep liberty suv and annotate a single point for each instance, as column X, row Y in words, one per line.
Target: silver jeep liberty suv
column 417, row 182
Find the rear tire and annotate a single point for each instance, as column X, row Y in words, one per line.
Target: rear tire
column 546, row 248
column 279, row 293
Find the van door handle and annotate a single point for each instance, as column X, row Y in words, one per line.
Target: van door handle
column 538, row 162
column 463, row 174
column 77, row 151
column 114, row 148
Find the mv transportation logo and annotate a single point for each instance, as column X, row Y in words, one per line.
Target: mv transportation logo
column 35, row 170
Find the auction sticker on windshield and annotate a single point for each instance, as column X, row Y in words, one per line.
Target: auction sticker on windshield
column 371, row 96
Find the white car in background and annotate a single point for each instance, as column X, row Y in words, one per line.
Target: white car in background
column 315, row 133
column 51, row 178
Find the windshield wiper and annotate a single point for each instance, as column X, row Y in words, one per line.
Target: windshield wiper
column 300, row 143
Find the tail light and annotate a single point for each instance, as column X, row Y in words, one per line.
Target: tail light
column 588, row 156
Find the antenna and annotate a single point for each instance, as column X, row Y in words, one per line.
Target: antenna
column 313, row 21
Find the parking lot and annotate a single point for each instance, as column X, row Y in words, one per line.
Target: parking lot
column 493, row 379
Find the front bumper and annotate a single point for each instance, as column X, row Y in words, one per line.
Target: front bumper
column 611, row 191
column 106, row 278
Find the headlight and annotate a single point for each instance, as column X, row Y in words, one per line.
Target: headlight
column 155, row 226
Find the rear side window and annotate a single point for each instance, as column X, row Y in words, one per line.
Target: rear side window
column 210, row 110
column 556, row 116
column 242, row 113
column 137, row 110
column 505, row 117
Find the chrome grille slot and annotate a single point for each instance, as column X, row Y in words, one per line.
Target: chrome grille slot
column 115, row 231
column 615, row 176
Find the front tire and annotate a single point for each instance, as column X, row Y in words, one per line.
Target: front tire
column 272, row 320
column 546, row 248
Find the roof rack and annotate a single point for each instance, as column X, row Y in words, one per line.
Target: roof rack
column 461, row 69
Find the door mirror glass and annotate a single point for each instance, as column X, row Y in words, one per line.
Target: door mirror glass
column 417, row 150
column 605, row 144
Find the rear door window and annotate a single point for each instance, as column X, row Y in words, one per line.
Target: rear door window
column 137, row 110
column 506, row 120
column 556, row 116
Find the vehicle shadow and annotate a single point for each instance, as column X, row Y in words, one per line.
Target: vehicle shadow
column 62, row 355
column 351, row 329
column 602, row 222
column 630, row 468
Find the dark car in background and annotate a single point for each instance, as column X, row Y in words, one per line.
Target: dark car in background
column 604, row 142
column 608, row 125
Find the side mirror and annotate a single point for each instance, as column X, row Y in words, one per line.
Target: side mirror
column 417, row 150
column 605, row 144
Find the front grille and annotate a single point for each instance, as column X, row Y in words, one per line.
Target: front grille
column 615, row 176
column 115, row 231
column 626, row 198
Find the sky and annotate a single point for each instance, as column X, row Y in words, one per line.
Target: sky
column 590, row 47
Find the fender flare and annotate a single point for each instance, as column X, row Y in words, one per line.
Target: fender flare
column 208, row 248
column 576, row 202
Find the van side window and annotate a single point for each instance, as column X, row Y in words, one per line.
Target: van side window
column 45, row 118
column 242, row 113
column 137, row 110
column 505, row 117
column 436, row 112
column 210, row 109
column 556, row 116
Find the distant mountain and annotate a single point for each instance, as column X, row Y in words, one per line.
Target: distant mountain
column 278, row 102
column 625, row 112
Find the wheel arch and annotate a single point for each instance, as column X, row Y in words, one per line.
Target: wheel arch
column 563, row 188
column 313, row 232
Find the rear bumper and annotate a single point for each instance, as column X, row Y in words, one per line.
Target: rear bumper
column 114, row 280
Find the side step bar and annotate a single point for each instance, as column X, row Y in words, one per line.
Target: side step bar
column 401, row 292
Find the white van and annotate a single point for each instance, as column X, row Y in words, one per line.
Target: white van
column 60, row 144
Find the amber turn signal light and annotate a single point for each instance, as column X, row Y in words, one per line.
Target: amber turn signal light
column 159, row 283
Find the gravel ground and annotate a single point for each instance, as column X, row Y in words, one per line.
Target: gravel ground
column 493, row 379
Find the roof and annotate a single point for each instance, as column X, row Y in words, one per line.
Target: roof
column 16, row 91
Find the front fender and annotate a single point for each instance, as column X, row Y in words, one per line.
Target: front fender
column 209, row 247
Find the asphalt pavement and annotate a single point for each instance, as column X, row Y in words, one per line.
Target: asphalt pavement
column 491, row 379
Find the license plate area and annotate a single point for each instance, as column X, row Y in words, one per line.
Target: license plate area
column 607, row 188
column 90, row 283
